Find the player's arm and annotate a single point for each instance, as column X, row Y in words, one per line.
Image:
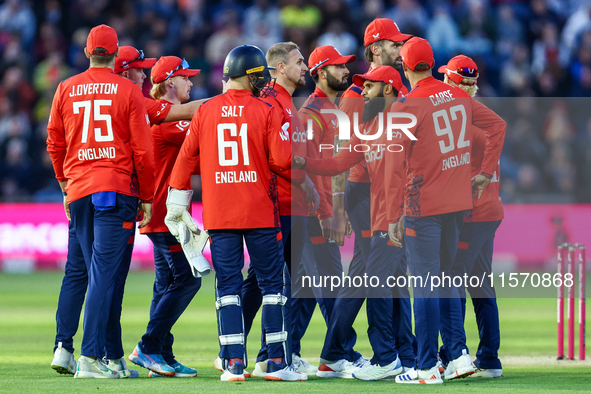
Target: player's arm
column 494, row 128
column 183, row 111
column 344, row 160
column 56, row 137
column 142, row 152
column 278, row 143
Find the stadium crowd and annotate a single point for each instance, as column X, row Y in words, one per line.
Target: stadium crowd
column 537, row 48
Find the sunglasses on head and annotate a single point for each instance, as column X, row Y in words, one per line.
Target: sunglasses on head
column 465, row 72
column 184, row 65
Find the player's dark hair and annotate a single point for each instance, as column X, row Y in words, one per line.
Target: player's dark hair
column 315, row 77
column 422, row 66
column 99, row 57
column 280, row 53
column 369, row 53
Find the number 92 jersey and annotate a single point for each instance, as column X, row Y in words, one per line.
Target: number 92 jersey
column 438, row 163
column 237, row 137
column 98, row 133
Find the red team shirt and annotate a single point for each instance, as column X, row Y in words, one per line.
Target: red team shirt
column 157, row 110
column 97, row 136
column 236, row 137
column 292, row 200
column 324, row 129
column 348, row 157
column 489, row 207
column 439, row 173
column 168, row 139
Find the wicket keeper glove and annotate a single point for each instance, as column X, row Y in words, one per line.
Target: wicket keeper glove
column 177, row 211
column 193, row 245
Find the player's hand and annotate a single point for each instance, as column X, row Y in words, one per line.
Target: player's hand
column 393, row 234
column 146, row 208
column 479, row 182
column 326, row 225
column 298, row 162
column 177, row 210
column 67, row 208
column 339, row 227
column 312, row 196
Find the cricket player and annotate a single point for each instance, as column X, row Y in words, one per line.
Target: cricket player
column 438, row 191
column 390, row 330
column 475, row 247
column 130, row 64
column 237, row 137
column 174, row 286
column 382, row 41
column 96, row 140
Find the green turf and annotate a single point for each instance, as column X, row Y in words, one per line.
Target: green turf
column 27, row 329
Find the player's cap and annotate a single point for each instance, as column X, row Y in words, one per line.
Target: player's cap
column 417, row 50
column 383, row 29
column 327, row 56
column 386, row 74
column 102, row 36
column 171, row 66
column 461, row 67
column 129, row 57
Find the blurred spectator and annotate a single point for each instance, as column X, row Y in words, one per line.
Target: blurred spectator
column 16, row 16
column 50, row 40
column 545, row 51
column 337, row 36
column 516, row 73
column 16, row 181
column 262, row 12
column 16, row 87
column 300, row 20
column 443, row 35
column 477, row 26
column 509, row 31
column 575, row 25
column 410, row 16
column 46, row 77
column 541, row 16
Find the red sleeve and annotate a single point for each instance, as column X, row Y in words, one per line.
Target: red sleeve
column 142, row 147
column 277, row 142
column 56, row 138
column 494, row 128
column 188, row 158
column 157, row 110
column 345, row 159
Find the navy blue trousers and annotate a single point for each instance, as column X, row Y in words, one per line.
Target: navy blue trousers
column 103, row 237
column 338, row 343
column 174, row 289
column 265, row 248
column 475, row 256
column 72, row 295
column 431, row 245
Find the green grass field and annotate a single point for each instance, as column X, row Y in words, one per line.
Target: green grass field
column 27, row 328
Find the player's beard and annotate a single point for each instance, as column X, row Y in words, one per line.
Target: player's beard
column 373, row 107
column 335, row 84
column 388, row 60
column 298, row 82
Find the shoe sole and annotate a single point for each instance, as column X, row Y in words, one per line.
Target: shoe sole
column 62, row 370
column 461, row 374
column 428, row 381
column 390, row 375
column 233, row 379
column 334, row 375
column 272, row 378
column 138, row 361
column 91, row 375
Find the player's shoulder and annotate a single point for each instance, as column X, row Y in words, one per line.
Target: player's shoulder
column 353, row 91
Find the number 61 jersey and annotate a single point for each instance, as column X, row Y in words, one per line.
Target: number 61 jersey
column 235, row 137
column 438, row 163
column 98, row 133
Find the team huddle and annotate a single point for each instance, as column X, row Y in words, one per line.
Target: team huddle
column 416, row 180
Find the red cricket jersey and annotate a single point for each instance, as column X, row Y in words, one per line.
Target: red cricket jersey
column 324, row 129
column 157, row 110
column 372, row 153
column 97, row 136
column 292, row 200
column 168, row 138
column 236, row 138
column 489, row 207
column 438, row 163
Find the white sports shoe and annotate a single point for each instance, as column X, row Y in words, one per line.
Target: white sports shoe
column 120, row 366
column 218, row 364
column 342, row 369
column 487, row 373
column 260, row 369
column 375, row 372
column 302, row 365
column 63, row 361
column 422, row 376
column 362, row 362
column 287, row 373
column 94, row 368
column 459, row 368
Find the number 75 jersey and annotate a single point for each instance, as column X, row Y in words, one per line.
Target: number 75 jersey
column 237, row 137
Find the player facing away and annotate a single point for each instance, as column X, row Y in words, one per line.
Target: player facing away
column 388, row 310
column 130, row 64
column 437, row 194
column 475, row 248
column 96, row 140
column 174, row 285
column 237, row 137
